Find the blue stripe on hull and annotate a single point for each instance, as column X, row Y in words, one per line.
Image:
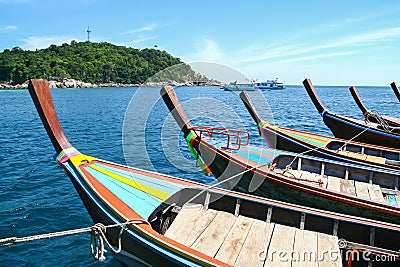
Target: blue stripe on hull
column 162, row 185
column 141, row 202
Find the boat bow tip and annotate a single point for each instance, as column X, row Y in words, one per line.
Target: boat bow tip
column 41, row 96
column 248, row 103
column 313, row 95
column 395, row 89
column 358, row 100
column 174, row 106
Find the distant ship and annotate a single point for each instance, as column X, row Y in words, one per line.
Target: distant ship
column 234, row 86
column 269, row 85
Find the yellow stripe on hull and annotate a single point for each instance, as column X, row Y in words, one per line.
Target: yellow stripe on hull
column 147, row 189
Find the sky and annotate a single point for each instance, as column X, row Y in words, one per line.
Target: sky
column 330, row 42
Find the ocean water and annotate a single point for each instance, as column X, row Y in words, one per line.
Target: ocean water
column 35, row 195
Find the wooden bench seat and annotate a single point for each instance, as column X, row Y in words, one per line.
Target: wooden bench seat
column 363, row 190
column 243, row 241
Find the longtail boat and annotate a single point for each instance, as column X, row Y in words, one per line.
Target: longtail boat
column 374, row 116
column 395, row 90
column 323, row 146
column 318, row 183
column 349, row 128
column 174, row 222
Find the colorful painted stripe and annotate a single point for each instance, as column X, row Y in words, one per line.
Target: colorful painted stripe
column 255, row 154
column 144, row 188
column 190, row 139
column 308, row 138
column 393, row 200
column 139, row 201
column 66, row 154
column 158, row 184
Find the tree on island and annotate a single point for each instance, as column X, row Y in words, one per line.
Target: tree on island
column 88, row 62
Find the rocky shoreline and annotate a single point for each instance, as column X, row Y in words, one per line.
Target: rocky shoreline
column 71, row 83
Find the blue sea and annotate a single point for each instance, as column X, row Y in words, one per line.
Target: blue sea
column 118, row 125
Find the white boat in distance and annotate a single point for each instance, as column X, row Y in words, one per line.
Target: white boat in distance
column 234, row 86
column 269, row 85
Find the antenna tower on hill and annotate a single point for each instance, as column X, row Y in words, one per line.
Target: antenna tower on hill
column 88, row 34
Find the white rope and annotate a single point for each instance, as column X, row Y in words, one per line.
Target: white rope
column 381, row 121
column 98, row 237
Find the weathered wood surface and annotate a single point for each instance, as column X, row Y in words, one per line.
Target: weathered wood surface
column 214, row 235
column 256, row 242
column 305, row 248
column 362, row 190
column 328, row 251
column 188, row 215
column 347, row 187
column 243, row 241
column 333, row 184
column 233, row 243
column 281, row 246
column 375, row 193
column 196, row 229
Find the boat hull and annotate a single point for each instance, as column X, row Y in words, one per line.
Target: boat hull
column 346, row 129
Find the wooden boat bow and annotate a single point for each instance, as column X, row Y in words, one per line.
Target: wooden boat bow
column 313, row 95
column 171, row 100
column 358, row 100
column 250, row 107
column 41, row 96
column 395, row 89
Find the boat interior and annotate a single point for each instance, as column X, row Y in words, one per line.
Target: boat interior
column 364, row 183
column 392, row 155
column 247, row 232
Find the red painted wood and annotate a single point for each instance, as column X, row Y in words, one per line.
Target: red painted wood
column 41, row 96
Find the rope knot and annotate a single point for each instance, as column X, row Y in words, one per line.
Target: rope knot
column 288, row 168
column 97, row 241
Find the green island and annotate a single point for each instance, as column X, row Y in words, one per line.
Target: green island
column 89, row 64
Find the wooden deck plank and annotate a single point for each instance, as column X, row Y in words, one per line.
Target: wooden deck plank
column 324, row 180
column 305, row 248
column 233, row 243
column 347, row 187
column 333, row 183
column 257, row 240
column 375, row 193
column 281, row 245
column 296, row 173
column 214, row 235
column 198, row 228
column 315, row 177
column 188, row 215
column 362, row 190
column 308, row 176
column 328, row 251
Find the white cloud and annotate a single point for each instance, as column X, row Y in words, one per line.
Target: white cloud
column 39, row 42
column 8, row 28
column 146, row 28
column 382, row 35
column 209, row 51
column 142, row 39
column 282, row 51
column 317, row 56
